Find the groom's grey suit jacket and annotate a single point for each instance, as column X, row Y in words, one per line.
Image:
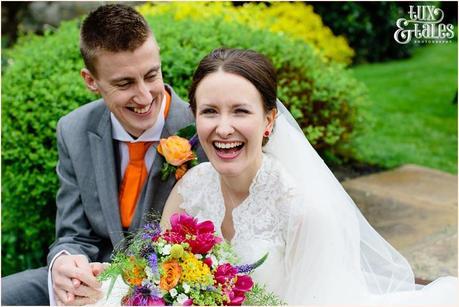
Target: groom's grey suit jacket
column 88, row 218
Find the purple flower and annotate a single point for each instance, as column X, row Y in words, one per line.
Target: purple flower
column 153, row 262
column 244, row 269
column 193, row 140
column 247, row 268
column 146, row 295
column 151, row 231
column 146, row 251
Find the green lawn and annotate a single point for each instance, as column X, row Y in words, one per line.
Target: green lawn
column 411, row 117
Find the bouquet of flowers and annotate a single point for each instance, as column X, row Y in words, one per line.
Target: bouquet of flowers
column 185, row 265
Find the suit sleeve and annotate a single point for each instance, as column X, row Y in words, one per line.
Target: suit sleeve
column 73, row 230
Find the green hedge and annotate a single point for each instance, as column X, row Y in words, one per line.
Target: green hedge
column 368, row 26
column 41, row 83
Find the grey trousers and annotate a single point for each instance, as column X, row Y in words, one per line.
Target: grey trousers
column 26, row 288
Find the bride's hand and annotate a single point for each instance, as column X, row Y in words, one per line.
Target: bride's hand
column 98, row 267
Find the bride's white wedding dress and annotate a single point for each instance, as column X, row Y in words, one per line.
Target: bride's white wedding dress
column 303, row 266
column 321, row 248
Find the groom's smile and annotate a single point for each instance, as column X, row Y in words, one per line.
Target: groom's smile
column 141, row 110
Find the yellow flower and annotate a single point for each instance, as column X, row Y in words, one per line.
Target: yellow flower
column 295, row 20
column 195, row 271
column 176, row 150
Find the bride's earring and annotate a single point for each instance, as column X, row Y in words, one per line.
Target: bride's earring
column 266, row 135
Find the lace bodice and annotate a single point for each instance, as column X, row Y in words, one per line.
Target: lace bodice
column 262, row 215
column 260, row 221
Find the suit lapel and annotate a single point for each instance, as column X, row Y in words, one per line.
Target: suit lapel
column 103, row 158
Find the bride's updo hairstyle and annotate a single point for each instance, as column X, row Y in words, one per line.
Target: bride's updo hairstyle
column 251, row 65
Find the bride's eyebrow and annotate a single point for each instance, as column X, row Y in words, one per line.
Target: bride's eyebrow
column 242, row 105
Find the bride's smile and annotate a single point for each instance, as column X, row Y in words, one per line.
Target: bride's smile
column 227, row 150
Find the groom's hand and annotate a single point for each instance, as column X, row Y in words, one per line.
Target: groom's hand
column 74, row 280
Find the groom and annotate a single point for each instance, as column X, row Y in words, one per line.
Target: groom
column 108, row 168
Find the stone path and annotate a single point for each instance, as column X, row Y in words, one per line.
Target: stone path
column 415, row 209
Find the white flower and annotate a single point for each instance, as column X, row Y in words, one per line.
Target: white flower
column 181, row 298
column 198, row 256
column 149, row 272
column 214, row 261
column 173, row 292
column 186, row 287
column 152, row 276
column 166, row 250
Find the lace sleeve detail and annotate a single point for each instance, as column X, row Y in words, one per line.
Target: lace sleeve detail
column 192, row 188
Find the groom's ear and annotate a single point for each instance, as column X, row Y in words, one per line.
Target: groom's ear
column 89, row 80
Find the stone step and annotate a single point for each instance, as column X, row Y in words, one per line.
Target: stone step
column 415, row 209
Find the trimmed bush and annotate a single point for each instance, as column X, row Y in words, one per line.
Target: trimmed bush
column 368, row 26
column 42, row 83
column 296, row 20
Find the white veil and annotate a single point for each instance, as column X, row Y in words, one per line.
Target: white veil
column 361, row 254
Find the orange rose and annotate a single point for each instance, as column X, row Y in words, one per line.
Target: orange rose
column 176, row 150
column 171, row 275
column 181, row 170
column 135, row 273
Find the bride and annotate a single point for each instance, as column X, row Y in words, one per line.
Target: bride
column 267, row 190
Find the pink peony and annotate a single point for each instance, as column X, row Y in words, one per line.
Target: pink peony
column 173, row 237
column 234, row 286
column 236, row 298
column 203, row 243
column 183, row 224
column 200, row 236
column 224, row 273
column 243, row 283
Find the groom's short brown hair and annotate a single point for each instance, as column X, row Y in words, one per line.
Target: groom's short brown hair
column 114, row 28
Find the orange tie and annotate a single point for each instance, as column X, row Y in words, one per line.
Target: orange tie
column 135, row 175
column 133, row 181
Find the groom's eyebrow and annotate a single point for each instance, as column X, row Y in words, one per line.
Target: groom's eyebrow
column 154, row 70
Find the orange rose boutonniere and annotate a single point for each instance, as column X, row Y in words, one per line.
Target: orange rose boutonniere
column 178, row 153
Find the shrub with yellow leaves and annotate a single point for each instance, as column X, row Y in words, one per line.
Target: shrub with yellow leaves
column 295, row 20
